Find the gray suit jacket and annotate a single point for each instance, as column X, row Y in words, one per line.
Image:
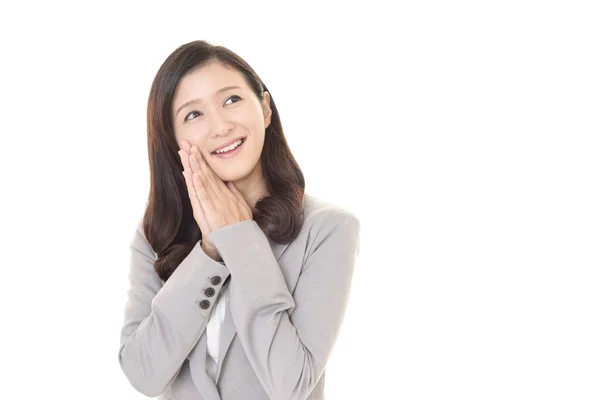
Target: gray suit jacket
column 286, row 307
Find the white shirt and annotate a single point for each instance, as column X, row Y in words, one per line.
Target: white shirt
column 213, row 332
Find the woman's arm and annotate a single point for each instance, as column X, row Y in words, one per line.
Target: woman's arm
column 288, row 339
column 163, row 323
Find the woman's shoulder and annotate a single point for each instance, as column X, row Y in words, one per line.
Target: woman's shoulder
column 139, row 241
column 317, row 211
column 325, row 221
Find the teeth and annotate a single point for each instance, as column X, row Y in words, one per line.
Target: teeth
column 230, row 147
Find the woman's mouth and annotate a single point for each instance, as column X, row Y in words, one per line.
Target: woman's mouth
column 231, row 150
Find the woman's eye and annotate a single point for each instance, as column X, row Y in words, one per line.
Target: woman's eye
column 191, row 115
column 235, row 96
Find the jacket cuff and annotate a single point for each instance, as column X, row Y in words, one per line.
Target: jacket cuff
column 246, row 251
column 187, row 293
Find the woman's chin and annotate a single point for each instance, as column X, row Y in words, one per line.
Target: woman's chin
column 231, row 177
column 235, row 172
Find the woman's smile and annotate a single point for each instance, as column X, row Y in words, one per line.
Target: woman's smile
column 233, row 152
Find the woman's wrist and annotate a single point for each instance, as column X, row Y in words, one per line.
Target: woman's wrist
column 211, row 252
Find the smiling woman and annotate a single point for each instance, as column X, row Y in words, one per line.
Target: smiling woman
column 209, row 97
column 239, row 280
column 216, row 115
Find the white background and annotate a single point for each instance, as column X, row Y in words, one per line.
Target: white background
column 464, row 135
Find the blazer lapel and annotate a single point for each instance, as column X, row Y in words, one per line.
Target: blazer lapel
column 228, row 331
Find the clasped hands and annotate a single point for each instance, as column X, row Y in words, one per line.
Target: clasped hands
column 215, row 204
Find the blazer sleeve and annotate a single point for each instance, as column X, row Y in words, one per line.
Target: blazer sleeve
column 163, row 323
column 288, row 338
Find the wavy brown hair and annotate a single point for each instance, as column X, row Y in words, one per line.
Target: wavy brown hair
column 168, row 222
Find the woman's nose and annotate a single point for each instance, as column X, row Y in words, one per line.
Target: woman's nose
column 220, row 124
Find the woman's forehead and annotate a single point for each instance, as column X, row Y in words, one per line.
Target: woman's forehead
column 212, row 76
column 205, row 82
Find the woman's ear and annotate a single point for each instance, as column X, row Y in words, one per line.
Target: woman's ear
column 267, row 109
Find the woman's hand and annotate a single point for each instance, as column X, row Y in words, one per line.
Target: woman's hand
column 214, row 203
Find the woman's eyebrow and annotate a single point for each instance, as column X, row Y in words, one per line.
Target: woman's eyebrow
column 224, row 89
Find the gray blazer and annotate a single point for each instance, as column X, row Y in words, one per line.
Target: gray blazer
column 286, row 307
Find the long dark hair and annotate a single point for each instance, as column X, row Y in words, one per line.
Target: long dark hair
column 168, row 222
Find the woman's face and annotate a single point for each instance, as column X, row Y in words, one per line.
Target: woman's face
column 212, row 108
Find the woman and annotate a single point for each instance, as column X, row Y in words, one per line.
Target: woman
column 239, row 280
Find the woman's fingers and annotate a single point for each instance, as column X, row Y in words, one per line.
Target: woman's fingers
column 246, row 209
column 221, row 204
column 236, row 193
column 194, row 200
column 187, row 174
column 204, row 191
column 217, row 186
column 200, row 179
